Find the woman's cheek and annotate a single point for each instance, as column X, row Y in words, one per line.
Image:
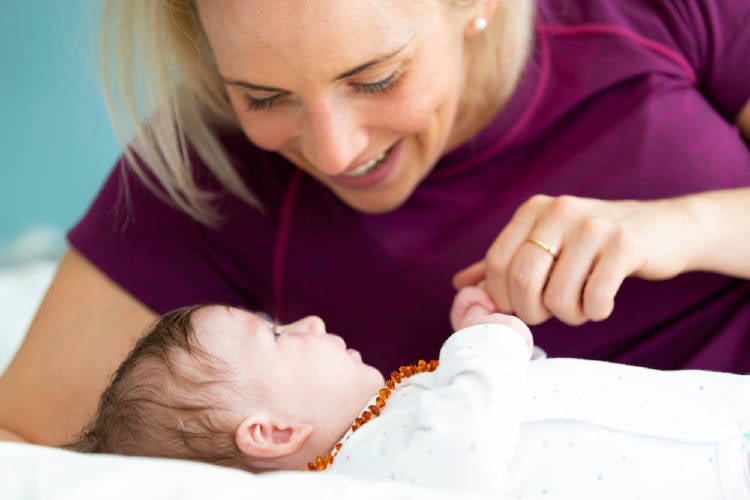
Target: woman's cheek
column 268, row 130
column 417, row 107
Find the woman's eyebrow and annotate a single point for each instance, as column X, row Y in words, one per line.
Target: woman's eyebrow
column 346, row 74
column 251, row 86
column 372, row 62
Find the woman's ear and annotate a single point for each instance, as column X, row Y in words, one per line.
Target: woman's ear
column 264, row 436
column 481, row 17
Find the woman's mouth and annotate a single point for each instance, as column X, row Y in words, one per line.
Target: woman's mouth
column 373, row 171
column 366, row 167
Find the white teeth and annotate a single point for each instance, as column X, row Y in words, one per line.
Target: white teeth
column 366, row 167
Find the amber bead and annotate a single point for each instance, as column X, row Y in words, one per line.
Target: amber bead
column 322, row 463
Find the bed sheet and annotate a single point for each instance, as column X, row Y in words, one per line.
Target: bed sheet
column 27, row 264
column 31, row 472
column 21, row 291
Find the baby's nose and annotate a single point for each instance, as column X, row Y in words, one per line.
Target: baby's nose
column 310, row 325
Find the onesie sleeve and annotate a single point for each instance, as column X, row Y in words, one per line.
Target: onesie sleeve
column 714, row 37
column 470, row 421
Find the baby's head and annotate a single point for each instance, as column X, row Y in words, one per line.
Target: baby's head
column 218, row 384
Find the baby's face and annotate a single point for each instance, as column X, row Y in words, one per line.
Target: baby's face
column 308, row 374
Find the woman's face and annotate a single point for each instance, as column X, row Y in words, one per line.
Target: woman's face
column 360, row 94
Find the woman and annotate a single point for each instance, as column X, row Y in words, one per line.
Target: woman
column 355, row 159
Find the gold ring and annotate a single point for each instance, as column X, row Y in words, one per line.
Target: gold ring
column 553, row 251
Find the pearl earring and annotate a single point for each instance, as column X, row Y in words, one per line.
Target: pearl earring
column 480, row 23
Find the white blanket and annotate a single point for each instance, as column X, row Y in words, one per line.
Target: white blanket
column 31, row 472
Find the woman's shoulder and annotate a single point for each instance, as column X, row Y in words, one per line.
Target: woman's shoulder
column 624, row 13
column 677, row 23
column 702, row 41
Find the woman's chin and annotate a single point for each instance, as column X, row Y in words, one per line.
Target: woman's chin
column 374, row 201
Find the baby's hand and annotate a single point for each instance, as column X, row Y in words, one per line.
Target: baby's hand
column 470, row 302
column 472, row 306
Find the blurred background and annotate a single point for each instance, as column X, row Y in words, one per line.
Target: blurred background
column 54, row 132
column 56, row 143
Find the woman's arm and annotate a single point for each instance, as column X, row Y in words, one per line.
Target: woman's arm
column 84, row 327
column 722, row 223
column 722, row 231
column 600, row 243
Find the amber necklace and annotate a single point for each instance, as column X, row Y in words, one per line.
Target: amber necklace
column 372, row 411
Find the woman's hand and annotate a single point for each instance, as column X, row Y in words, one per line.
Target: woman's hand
column 567, row 257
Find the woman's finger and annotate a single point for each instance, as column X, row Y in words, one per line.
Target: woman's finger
column 618, row 260
column 563, row 295
column 469, row 276
column 527, row 278
column 499, row 274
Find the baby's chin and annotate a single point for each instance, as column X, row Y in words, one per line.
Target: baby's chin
column 377, row 377
column 371, row 370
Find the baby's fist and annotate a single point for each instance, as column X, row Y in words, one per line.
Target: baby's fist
column 472, row 306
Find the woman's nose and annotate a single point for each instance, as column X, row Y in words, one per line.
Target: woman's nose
column 309, row 325
column 332, row 138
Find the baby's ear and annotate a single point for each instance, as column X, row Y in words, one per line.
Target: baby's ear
column 264, row 436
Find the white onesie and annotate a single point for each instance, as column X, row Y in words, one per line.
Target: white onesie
column 489, row 420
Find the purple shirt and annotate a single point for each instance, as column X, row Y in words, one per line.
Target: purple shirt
column 622, row 99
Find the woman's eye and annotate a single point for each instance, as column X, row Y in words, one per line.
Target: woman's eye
column 379, row 87
column 382, row 86
column 254, row 104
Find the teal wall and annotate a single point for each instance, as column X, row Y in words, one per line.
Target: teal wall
column 56, row 144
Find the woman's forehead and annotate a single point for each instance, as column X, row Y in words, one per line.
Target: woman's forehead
column 285, row 43
column 307, row 27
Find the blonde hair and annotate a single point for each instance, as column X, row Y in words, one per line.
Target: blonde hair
column 166, row 98
column 498, row 55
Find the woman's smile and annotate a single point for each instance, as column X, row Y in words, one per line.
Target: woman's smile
column 372, row 172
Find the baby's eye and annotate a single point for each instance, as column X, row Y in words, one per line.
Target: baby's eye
column 275, row 330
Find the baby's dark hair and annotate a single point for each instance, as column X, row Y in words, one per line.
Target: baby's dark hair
column 165, row 401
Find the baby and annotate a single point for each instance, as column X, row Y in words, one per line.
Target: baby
column 225, row 386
